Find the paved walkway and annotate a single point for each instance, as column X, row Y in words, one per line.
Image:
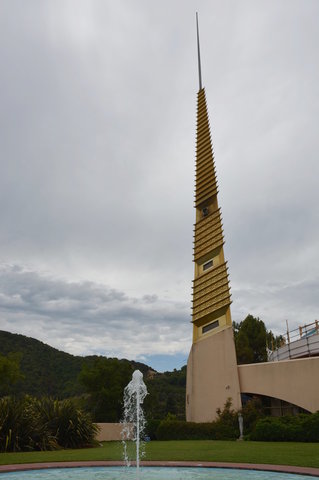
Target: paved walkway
column 249, row 466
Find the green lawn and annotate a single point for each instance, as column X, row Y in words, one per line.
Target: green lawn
column 301, row 454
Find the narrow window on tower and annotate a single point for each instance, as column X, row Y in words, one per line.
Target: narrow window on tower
column 207, row 265
column 205, row 212
column 210, row 326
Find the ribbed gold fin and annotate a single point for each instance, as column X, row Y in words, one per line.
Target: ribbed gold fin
column 206, row 184
column 211, row 292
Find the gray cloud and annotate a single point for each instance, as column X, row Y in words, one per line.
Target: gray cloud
column 86, row 318
column 97, row 131
column 277, row 302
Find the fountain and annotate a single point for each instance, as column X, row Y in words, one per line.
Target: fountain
column 132, row 434
column 134, row 419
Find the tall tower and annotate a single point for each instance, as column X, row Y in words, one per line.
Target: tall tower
column 212, row 375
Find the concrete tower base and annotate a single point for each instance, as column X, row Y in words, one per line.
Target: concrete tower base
column 212, row 376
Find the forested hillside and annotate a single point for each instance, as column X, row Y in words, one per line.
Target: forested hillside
column 47, row 371
column 98, row 381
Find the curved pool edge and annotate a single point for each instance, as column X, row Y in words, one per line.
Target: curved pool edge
column 152, row 463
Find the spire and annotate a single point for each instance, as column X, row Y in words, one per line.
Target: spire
column 206, row 182
column 212, row 360
column 198, row 54
column 211, row 292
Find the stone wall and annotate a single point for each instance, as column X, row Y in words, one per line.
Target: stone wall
column 109, row 432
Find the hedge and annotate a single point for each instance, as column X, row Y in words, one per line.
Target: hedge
column 179, row 430
column 225, row 427
column 299, row 428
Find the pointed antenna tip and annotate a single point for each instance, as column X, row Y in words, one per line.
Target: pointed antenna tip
column 198, row 53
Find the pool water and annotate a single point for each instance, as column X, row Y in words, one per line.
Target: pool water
column 149, row 473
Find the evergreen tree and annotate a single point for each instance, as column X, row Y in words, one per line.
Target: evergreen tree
column 251, row 340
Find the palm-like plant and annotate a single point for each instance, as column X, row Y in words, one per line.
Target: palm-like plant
column 19, row 425
column 74, row 427
column 45, row 424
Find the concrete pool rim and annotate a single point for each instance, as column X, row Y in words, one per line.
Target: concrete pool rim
column 241, row 466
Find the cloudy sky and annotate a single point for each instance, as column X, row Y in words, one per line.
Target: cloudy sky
column 97, row 150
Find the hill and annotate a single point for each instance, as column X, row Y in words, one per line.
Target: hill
column 51, row 372
column 46, row 370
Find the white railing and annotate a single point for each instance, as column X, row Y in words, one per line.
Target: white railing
column 300, row 342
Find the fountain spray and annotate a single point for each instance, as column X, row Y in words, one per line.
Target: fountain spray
column 134, row 419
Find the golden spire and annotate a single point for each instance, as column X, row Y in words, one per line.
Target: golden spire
column 212, row 374
column 211, row 293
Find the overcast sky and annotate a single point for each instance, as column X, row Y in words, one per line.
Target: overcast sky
column 97, row 145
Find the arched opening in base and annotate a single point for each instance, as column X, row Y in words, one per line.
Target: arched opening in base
column 274, row 407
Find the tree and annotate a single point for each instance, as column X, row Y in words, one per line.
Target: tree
column 104, row 381
column 9, row 371
column 250, row 340
column 166, row 394
column 274, row 341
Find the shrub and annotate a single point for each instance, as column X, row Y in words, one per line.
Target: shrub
column 224, row 428
column 74, row 427
column 151, row 428
column 30, row 424
column 71, row 427
column 311, row 427
column 226, row 425
column 12, row 416
column 268, row 429
column 252, row 411
column 21, row 428
column 180, row 430
column 299, row 428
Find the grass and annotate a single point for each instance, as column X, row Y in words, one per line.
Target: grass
column 280, row 453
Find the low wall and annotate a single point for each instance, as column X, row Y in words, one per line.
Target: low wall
column 109, row 432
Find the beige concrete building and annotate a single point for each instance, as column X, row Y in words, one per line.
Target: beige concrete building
column 212, row 372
